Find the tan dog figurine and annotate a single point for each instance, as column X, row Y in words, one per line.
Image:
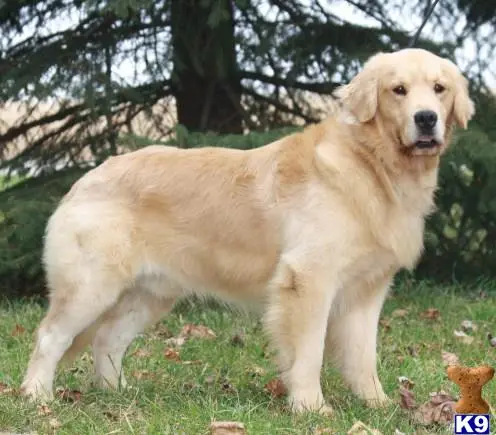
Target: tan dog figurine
column 471, row 381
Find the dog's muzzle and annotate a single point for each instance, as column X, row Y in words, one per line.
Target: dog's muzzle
column 426, row 122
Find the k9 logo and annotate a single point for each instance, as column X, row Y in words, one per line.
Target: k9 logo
column 472, row 424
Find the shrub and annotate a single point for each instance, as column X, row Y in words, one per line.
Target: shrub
column 460, row 236
column 24, row 210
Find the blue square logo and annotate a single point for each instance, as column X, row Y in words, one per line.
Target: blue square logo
column 472, row 424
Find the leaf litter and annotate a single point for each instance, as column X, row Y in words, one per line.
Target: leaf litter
column 227, row 428
column 462, row 337
column 449, row 359
column 360, row 428
column 431, row 314
column 191, row 331
column 439, row 409
column 468, row 326
column 400, row 312
column 276, row 388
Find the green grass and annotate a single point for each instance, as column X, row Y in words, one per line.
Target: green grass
column 173, row 398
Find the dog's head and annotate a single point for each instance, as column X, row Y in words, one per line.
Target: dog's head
column 413, row 96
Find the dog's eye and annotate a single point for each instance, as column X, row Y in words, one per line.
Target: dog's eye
column 399, row 90
column 438, row 88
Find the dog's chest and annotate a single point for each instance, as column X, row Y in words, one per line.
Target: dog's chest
column 404, row 240
column 377, row 260
column 382, row 245
column 397, row 227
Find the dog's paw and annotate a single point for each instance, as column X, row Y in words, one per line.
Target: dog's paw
column 382, row 401
column 325, row 410
column 36, row 393
column 299, row 406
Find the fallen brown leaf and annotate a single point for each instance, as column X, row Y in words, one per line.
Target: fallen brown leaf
column 439, row 409
column 161, row 331
column 227, row 428
column 238, row 339
column 462, row 337
column 276, row 388
column 5, row 389
column 492, row 340
column 197, row 331
column 191, row 386
column 449, row 359
column 143, row 374
column 227, row 387
column 54, row 423
column 69, row 395
column 406, row 383
column 175, row 341
column 210, row 380
column 255, row 371
column 44, row 410
column 413, row 350
column 360, row 428
column 141, row 353
column 386, row 324
column 468, row 326
column 111, row 415
column 189, row 330
column 430, row 314
column 172, row 354
column 407, row 399
column 400, row 312
column 18, row 330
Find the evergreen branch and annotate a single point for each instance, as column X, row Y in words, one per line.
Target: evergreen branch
column 280, row 106
column 383, row 19
column 321, row 88
column 151, row 91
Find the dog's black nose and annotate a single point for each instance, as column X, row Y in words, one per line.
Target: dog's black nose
column 425, row 119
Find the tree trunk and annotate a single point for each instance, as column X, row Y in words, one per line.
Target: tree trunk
column 206, row 83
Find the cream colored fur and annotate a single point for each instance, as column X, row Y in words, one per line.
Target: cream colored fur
column 311, row 228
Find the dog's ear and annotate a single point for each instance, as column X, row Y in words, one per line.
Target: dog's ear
column 463, row 106
column 360, row 95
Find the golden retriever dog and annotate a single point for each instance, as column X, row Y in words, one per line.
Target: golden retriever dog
column 311, row 228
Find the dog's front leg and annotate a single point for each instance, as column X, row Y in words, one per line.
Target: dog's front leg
column 297, row 316
column 352, row 337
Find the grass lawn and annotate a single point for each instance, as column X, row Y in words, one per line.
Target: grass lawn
column 227, row 379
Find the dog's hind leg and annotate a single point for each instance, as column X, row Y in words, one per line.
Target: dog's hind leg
column 136, row 310
column 73, row 309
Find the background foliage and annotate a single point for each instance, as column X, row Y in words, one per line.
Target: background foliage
column 80, row 78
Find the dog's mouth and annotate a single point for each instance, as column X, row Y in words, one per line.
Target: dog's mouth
column 425, row 145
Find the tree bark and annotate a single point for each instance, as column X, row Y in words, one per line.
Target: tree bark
column 205, row 77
